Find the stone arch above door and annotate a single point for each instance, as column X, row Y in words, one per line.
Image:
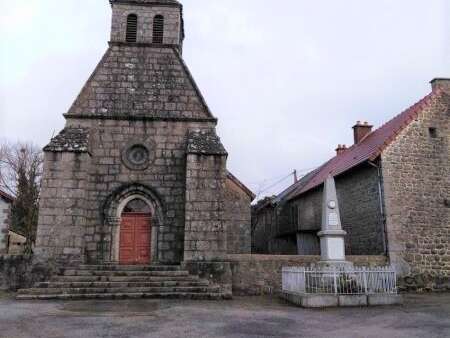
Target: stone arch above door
column 113, row 209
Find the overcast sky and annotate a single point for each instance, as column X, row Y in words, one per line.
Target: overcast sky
column 287, row 79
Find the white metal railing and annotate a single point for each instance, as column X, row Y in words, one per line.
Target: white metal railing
column 340, row 281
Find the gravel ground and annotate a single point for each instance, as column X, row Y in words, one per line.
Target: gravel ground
column 421, row 316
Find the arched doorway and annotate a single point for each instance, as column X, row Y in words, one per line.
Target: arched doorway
column 122, row 202
column 135, row 233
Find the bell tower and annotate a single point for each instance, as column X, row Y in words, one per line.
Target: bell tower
column 147, row 22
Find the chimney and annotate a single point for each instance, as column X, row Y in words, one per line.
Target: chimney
column 341, row 149
column 361, row 130
column 441, row 83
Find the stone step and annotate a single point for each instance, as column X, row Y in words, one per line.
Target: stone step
column 105, row 296
column 121, row 284
column 114, row 267
column 117, row 290
column 128, row 279
column 112, row 281
column 122, row 273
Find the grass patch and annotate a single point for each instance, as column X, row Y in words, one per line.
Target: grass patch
column 5, row 294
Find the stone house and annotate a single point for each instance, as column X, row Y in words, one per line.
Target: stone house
column 139, row 175
column 16, row 243
column 393, row 187
column 238, row 216
column 6, row 201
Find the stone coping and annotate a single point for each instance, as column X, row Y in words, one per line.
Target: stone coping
column 357, row 260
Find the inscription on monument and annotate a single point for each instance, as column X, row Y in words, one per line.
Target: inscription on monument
column 333, row 219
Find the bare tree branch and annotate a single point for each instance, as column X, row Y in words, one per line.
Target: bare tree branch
column 20, row 175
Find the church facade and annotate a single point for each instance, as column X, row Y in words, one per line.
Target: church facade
column 138, row 175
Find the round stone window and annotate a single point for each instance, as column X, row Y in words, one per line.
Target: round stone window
column 136, row 156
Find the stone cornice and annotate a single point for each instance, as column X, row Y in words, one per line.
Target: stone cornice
column 138, row 118
column 142, row 44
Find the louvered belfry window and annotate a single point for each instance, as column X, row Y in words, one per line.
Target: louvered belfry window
column 132, row 21
column 158, row 29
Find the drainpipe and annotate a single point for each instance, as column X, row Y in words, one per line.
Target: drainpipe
column 382, row 211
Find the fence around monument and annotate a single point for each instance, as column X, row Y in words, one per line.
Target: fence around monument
column 354, row 281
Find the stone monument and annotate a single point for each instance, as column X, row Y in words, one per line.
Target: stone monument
column 332, row 244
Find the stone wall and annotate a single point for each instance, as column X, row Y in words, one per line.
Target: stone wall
column 63, row 206
column 4, row 225
column 172, row 23
column 361, row 217
column 359, row 201
column 237, row 219
column 261, row 274
column 205, row 229
column 416, row 176
column 361, row 213
column 166, row 177
column 18, row 272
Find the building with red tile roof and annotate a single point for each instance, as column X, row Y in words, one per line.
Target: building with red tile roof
column 393, row 186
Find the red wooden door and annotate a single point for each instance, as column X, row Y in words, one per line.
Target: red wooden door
column 135, row 239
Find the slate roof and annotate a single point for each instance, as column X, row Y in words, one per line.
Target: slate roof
column 205, row 142
column 74, row 140
column 264, row 203
column 7, row 197
column 141, row 82
column 300, row 184
column 367, row 150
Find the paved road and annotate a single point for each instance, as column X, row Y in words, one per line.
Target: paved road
column 424, row 316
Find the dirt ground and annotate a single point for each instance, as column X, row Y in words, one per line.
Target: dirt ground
column 421, row 316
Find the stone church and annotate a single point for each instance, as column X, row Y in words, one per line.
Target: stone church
column 139, row 175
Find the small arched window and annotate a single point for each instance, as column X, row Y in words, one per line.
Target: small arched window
column 132, row 21
column 158, row 29
column 137, row 206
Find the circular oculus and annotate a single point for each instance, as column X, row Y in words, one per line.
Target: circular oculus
column 138, row 155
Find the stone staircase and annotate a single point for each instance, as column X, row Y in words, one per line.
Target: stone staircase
column 124, row 282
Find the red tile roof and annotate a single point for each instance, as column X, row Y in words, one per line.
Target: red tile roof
column 241, row 185
column 6, row 196
column 368, row 149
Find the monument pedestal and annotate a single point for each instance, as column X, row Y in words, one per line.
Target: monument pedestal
column 332, row 248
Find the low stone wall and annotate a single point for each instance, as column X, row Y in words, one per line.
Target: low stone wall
column 218, row 273
column 254, row 275
column 424, row 282
column 18, row 272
